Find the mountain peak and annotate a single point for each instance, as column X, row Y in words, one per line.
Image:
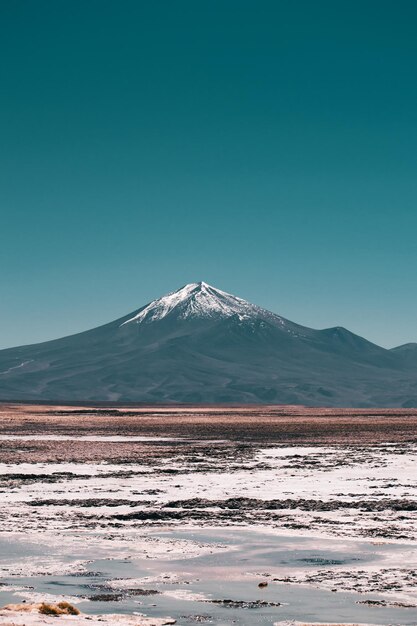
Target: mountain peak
column 195, row 300
column 199, row 344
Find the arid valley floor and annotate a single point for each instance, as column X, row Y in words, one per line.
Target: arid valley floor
column 183, row 512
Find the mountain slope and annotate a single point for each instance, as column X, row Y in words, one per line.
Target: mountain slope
column 200, row 344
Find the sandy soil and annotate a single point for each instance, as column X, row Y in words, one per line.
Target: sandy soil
column 254, row 423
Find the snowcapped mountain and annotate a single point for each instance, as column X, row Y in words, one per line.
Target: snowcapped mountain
column 200, row 344
column 200, row 301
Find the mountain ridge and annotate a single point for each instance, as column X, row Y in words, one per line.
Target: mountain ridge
column 201, row 344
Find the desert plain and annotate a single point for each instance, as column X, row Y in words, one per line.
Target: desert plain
column 219, row 515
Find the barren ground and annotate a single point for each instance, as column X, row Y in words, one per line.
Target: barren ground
column 330, row 496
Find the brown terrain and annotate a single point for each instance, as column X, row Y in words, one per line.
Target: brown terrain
column 289, row 425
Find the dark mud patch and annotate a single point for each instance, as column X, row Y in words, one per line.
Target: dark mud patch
column 244, row 604
column 88, row 503
column 106, row 597
column 141, row 592
column 292, row 503
column 12, row 480
column 323, row 562
column 198, row 619
column 108, row 594
column 387, row 604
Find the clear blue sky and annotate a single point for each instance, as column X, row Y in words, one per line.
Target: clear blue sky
column 266, row 147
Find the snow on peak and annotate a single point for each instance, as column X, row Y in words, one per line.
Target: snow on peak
column 196, row 300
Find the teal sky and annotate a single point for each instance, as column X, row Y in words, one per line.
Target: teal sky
column 266, row 147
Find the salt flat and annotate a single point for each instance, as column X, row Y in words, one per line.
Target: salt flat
column 327, row 518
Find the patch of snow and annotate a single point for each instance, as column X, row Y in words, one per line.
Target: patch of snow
column 40, row 566
column 200, row 300
column 185, row 594
column 16, row 367
column 164, row 578
column 35, row 596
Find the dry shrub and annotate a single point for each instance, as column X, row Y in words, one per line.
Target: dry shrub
column 49, row 609
column 62, row 608
column 68, row 608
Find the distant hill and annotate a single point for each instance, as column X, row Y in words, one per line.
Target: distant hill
column 201, row 345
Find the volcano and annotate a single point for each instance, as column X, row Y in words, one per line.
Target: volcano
column 202, row 345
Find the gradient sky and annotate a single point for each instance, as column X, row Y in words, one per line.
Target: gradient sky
column 265, row 147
